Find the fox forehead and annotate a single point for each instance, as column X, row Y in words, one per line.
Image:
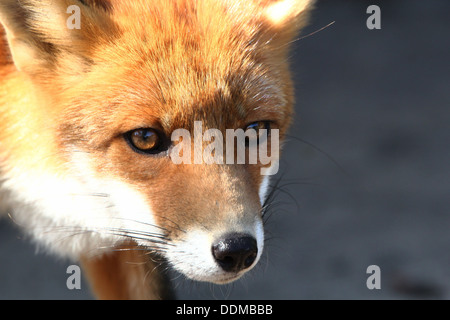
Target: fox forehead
column 179, row 62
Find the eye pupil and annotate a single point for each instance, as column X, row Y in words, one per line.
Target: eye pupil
column 145, row 139
column 258, row 126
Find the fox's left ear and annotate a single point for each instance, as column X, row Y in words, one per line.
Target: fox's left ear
column 38, row 32
column 284, row 18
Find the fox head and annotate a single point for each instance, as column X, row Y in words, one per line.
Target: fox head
column 105, row 83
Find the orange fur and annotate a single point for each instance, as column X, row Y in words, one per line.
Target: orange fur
column 143, row 64
column 126, row 274
column 4, row 51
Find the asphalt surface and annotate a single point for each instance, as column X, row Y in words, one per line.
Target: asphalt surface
column 365, row 177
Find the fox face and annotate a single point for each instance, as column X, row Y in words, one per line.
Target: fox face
column 87, row 149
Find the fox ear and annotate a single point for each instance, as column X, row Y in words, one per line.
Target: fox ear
column 286, row 17
column 38, row 31
column 282, row 12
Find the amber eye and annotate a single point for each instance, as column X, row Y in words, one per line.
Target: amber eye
column 145, row 140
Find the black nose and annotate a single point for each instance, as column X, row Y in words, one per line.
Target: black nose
column 235, row 252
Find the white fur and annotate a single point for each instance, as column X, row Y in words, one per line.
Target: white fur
column 75, row 215
column 193, row 257
column 263, row 188
column 69, row 216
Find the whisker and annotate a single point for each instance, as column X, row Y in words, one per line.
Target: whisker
column 92, row 194
column 143, row 223
column 327, row 155
column 151, row 238
column 133, row 232
column 316, row 31
column 175, row 224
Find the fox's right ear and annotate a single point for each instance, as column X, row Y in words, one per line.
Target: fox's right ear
column 37, row 32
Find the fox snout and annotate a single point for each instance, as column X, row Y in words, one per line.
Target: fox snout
column 219, row 260
column 215, row 233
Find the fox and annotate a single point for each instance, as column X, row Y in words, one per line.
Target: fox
column 87, row 114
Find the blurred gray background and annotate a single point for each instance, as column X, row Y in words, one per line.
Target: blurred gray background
column 365, row 177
